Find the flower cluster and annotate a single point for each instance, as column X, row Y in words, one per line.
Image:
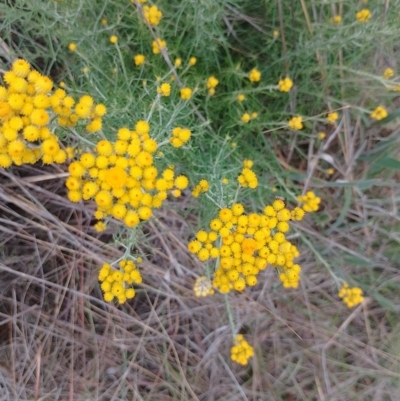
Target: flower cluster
column 241, row 350
column 379, row 113
column 310, row 202
column 332, row 117
column 164, row 89
column 152, row 15
column 27, row 105
column 246, row 117
column 388, row 73
column 296, row 123
column 246, row 243
column 202, row 186
column 363, row 15
column 247, row 177
column 212, row 83
column 139, row 59
column 180, row 136
column 202, row 287
column 116, row 283
column 254, row 75
column 158, row 45
column 351, row 296
column 186, row 93
column 285, row 84
column 121, row 177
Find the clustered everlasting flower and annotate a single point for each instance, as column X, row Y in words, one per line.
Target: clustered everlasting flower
column 152, row 15
column 254, row 75
column 139, row 59
column 332, row 117
column 121, row 177
column 203, row 287
column 158, row 45
column 363, row 15
column 296, row 123
column 248, row 177
column 246, row 117
column 164, row 89
column 310, row 202
column 285, row 84
column 351, row 296
column 186, row 93
column 116, row 283
column 212, row 83
column 202, row 186
column 244, row 244
column 379, row 113
column 241, row 350
column 180, row 136
column 337, row 19
column 388, row 73
column 28, row 104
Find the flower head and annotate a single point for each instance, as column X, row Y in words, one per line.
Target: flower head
column 186, row 93
column 164, row 89
column 139, row 59
column 332, row 117
column 254, row 75
column 379, row 113
column 285, row 84
column 351, row 296
column 296, row 123
column 241, row 351
column 363, row 15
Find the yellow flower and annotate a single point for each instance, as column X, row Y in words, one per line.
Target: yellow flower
column 364, row 15
column 388, row 73
column 212, row 82
column 241, row 351
column 351, row 296
column 139, row 59
column 158, row 45
column 20, row 68
column 240, row 97
column 337, row 19
column 379, row 113
column 152, row 15
column 296, row 123
column 181, row 182
column 50, row 146
column 178, row 62
column 202, row 287
column 275, row 33
column 72, row 47
column 332, row 117
column 192, row 61
column 164, row 89
column 100, row 226
column 245, row 117
column 254, row 75
column 113, row 39
column 285, row 84
column 321, row 135
column 186, row 93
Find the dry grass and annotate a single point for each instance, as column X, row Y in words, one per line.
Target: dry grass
column 60, row 341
